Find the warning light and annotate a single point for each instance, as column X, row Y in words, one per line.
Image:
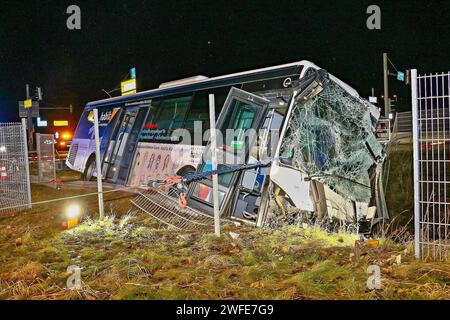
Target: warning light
column 73, row 212
column 72, row 217
column 62, row 144
column 66, row 136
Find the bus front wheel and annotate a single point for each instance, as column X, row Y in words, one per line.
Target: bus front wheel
column 89, row 170
column 185, row 171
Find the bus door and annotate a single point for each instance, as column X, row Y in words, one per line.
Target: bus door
column 242, row 115
column 121, row 152
column 108, row 134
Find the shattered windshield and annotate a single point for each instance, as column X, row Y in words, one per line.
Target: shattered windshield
column 331, row 138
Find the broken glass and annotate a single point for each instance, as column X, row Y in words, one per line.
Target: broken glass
column 331, row 138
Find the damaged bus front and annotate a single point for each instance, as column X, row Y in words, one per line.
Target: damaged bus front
column 329, row 145
column 326, row 161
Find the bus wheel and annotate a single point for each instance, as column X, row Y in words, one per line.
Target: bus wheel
column 186, row 171
column 89, row 170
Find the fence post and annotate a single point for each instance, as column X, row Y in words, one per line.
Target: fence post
column 27, row 164
column 54, row 160
column 99, row 166
column 38, row 153
column 416, row 147
column 215, row 178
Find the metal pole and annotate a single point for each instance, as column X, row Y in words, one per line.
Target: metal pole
column 99, row 166
column 387, row 107
column 215, row 178
column 27, row 165
column 416, row 146
column 29, row 119
column 38, row 150
column 54, row 160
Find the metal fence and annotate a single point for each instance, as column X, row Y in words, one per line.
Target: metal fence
column 431, row 137
column 404, row 122
column 45, row 145
column 14, row 172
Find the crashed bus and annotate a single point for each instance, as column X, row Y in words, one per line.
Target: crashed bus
column 315, row 134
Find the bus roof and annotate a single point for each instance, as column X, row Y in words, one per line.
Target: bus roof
column 200, row 83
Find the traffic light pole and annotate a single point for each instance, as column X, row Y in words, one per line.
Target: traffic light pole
column 27, row 165
column 29, row 112
column 29, row 121
column 387, row 106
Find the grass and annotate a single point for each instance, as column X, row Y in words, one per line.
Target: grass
column 65, row 175
column 400, row 188
column 129, row 256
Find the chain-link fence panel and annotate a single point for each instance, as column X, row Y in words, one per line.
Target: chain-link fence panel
column 14, row 175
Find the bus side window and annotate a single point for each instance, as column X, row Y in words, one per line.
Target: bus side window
column 154, row 107
column 149, row 125
column 199, row 112
column 172, row 114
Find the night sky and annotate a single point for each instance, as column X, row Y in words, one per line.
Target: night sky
column 168, row 40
